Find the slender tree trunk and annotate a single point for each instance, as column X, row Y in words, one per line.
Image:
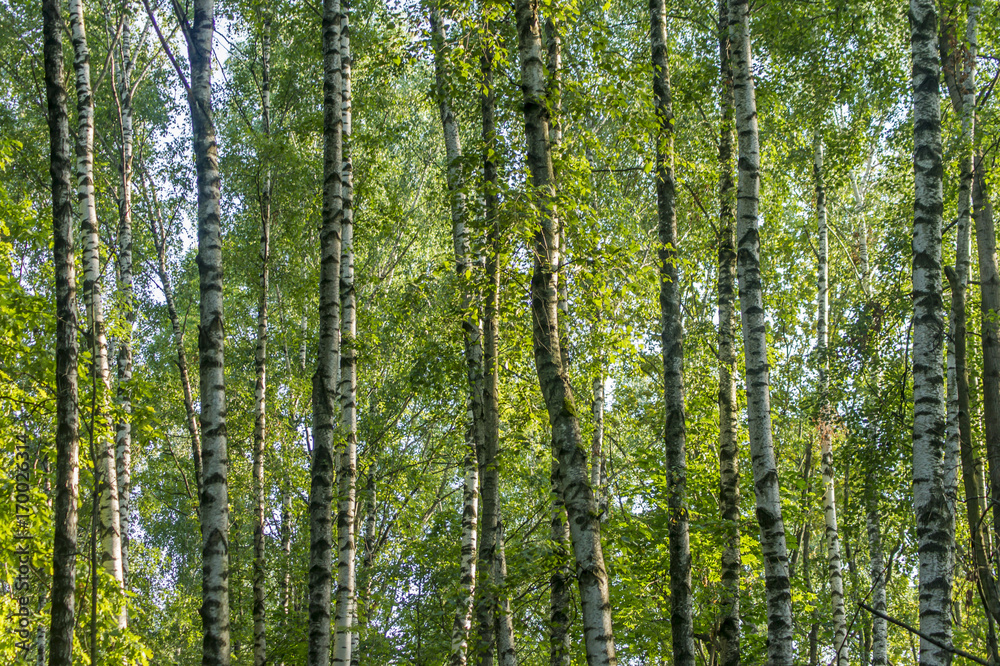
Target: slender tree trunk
column 506, row 653
column 364, row 585
column 67, row 399
column 878, row 573
column 111, row 545
column 473, row 347
column 989, row 281
column 729, row 470
column 579, row 497
column 560, row 595
column 491, row 557
column 157, row 229
column 325, row 379
column 123, row 428
column 347, row 456
column 672, row 342
column 780, row 646
column 933, row 515
column 260, row 367
column 833, row 559
column 215, row 457
column 960, row 73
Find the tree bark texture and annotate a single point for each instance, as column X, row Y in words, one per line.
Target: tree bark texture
column 506, row 653
column 215, row 457
column 933, row 514
column 67, row 398
column 579, row 497
column 260, row 365
column 729, row 471
column 833, row 559
column 768, row 503
column 347, row 455
column 472, row 337
column 878, row 573
column 123, row 427
column 110, row 516
column 672, row 344
column 325, row 379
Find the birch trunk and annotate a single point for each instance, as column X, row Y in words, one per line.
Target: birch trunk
column 110, row 516
column 260, row 367
column 325, row 379
column 672, row 344
column 491, row 631
column 729, row 471
column 347, row 456
column 933, row 515
column 157, row 229
column 123, row 428
column 989, row 281
column 211, row 337
column 472, row 336
column 833, row 559
column 580, row 502
column 960, row 74
column 780, row 647
column 560, row 595
column 506, row 654
column 67, row 400
column 878, row 572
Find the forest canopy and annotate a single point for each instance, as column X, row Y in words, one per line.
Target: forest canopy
column 467, row 332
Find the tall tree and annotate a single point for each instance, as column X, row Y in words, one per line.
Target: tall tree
column 581, row 505
column 780, row 647
column 110, row 515
column 67, row 402
column 347, row 456
column 123, row 426
column 325, row 379
column 729, row 472
column 260, row 359
column 672, row 345
column 833, row 559
column 933, row 515
column 472, row 337
column 214, row 500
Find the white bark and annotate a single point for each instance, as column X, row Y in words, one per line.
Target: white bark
column 211, row 334
column 110, row 516
column 833, row 559
column 67, row 399
column 772, row 528
column 328, row 360
column 933, row 514
column 347, row 455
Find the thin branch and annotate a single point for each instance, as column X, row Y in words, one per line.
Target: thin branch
column 166, row 47
column 916, row 632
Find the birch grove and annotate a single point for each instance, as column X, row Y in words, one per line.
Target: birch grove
column 481, row 391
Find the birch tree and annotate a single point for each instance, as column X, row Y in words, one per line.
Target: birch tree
column 123, row 426
column 110, row 515
column 347, row 472
column 214, row 499
column 67, row 399
column 833, row 559
column 729, row 474
column 672, row 344
column 780, row 648
column 472, row 337
column 579, row 497
column 325, row 379
column 260, row 362
column 933, row 515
